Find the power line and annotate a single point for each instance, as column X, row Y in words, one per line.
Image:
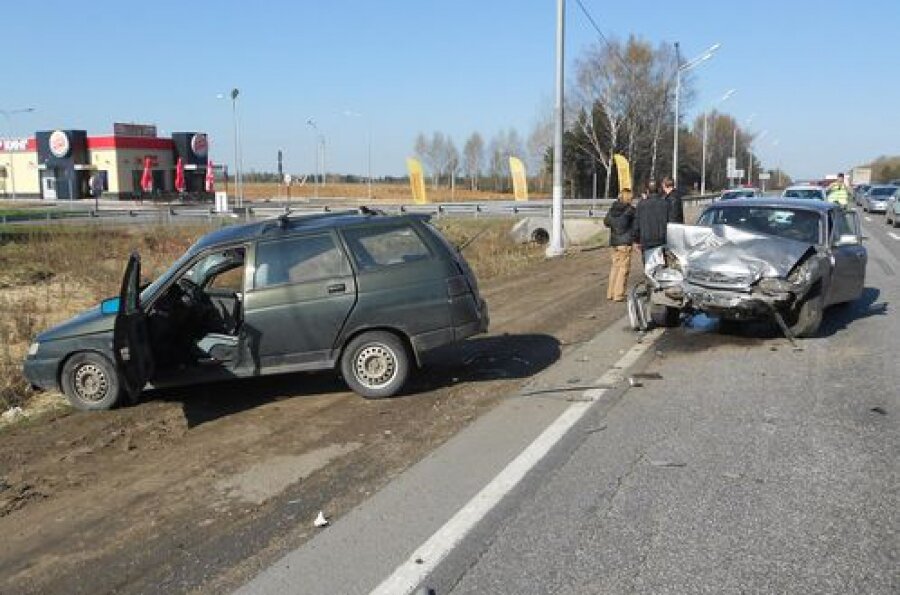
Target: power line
column 613, row 49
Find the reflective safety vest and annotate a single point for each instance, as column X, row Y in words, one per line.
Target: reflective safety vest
column 837, row 192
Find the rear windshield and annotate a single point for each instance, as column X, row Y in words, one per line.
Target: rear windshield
column 883, row 191
column 803, row 193
column 792, row 224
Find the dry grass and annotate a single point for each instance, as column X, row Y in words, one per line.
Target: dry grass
column 49, row 274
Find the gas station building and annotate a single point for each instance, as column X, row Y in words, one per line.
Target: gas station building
column 65, row 164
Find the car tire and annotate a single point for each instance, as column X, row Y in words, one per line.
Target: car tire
column 376, row 364
column 90, row 382
column 808, row 317
column 665, row 316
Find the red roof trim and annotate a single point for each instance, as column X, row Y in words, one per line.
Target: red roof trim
column 129, row 142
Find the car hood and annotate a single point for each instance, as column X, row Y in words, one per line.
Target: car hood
column 91, row 321
column 726, row 252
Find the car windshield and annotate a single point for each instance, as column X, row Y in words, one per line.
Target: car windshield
column 792, row 224
column 882, row 191
column 152, row 289
column 803, row 193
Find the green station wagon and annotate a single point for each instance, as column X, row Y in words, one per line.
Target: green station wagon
column 360, row 291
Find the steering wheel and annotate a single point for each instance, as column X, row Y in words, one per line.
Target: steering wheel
column 191, row 294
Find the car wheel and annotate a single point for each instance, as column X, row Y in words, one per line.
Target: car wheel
column 808, row 317
column 90, row 382
column 665, row 316
column 376, row 364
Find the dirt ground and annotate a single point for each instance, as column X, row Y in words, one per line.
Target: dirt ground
column 195, row 490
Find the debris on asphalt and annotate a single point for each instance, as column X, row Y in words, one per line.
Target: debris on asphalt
column 573, row 380
column 321, row 520
column 730, row 475
column 647, row 375
column 595, row 429
column 634, row 382
column 665, row 463
column 879, row 410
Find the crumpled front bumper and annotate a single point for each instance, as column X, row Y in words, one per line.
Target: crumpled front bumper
column 734, row 304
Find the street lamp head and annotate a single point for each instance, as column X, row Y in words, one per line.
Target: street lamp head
column 234, row 93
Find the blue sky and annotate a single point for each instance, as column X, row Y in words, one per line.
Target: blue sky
column 820, row 76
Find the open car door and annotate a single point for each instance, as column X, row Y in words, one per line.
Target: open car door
column 131, row 344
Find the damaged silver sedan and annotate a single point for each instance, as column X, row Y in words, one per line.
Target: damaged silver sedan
column 750, row 259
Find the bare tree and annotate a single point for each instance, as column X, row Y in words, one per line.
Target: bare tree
column 453, row 163
column 601, row 101
column 473, row 152
column 539, row 142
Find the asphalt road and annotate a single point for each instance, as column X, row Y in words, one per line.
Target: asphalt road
column 742, row 465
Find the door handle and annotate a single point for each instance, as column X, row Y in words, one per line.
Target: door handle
column 337, row 288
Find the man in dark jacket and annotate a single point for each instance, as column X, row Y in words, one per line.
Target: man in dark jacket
column 650, row 222
column 676, row 207
column 620, row 221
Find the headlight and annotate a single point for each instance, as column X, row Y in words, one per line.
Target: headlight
column 772, row 285
column 805, row 273
column 33, row 348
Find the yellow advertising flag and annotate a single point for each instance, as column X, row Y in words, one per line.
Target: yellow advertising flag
column 624, row 171
column 416, row 180
column 519, row 179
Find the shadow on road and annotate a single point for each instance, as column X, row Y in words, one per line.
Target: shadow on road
column 837, row 318
column 481, row 359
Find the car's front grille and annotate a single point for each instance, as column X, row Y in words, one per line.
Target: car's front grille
column 716, row 279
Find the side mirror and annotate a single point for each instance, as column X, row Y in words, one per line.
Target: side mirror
column 847, row 239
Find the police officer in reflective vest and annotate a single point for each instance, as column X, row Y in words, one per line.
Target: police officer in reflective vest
column 838, row 192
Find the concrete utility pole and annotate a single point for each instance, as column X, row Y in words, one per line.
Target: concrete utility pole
column 557, row 246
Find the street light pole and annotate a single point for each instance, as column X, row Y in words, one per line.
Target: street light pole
column 556, row 246
column 7, row 114
column 728, row 94
column 678, row 70
column 320, row 154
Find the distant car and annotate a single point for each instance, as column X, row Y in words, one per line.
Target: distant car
column 360, row 292
column 804, row 191
column 740, row 193
column 875, row 200
column 859, row 191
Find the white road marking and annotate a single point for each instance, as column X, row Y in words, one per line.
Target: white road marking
column 893, row 235
column 869, row 219
column 409, row 575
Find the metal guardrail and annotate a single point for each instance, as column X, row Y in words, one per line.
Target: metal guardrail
column 574, row 208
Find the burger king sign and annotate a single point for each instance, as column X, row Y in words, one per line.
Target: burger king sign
column 59, row 144
column 199, row 145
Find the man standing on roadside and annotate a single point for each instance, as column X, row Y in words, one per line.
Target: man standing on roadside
column 676, row 207
column 653, row 215
column 620, row 221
